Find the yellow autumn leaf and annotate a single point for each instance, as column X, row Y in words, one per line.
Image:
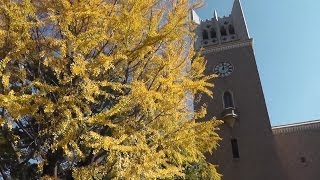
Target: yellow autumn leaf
column 99, row 89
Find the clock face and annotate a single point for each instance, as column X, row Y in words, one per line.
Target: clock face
column 223, row 69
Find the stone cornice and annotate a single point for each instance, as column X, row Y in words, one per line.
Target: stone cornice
column 292, row 128
column 226, row 46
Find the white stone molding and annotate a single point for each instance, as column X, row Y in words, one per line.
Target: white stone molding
column 226, row 46
column 298, row 127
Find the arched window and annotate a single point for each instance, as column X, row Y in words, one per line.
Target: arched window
column 227, row 99
column 213, row 33
column 231, row 29
column 205, row 34
column 223, row 31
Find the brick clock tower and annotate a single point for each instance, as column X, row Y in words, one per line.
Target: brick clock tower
column 247, row 151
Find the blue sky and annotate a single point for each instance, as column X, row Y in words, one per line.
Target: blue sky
column 286, row 37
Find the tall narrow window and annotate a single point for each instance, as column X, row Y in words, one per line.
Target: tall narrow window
column 227, row 99
column 213, row 33
column 205, row 34
column 231, row 29
column 223, row 31
column 235, row 148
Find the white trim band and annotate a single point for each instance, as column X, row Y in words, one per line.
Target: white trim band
column 297, row 127
column 226, row 46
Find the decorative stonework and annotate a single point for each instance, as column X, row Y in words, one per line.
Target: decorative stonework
column 227, row 46
column 299, row 127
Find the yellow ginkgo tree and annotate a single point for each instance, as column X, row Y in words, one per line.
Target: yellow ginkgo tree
column 101, row 89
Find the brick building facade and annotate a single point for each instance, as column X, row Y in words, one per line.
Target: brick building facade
column 251, row 149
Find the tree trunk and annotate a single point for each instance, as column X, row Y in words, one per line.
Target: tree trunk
column 51, row 167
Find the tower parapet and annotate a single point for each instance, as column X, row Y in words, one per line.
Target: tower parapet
column 219, row 30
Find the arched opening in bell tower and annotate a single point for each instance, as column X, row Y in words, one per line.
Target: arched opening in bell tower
column 231, row 29
column 205, row 34
column 213, row 33
column 223, row 31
